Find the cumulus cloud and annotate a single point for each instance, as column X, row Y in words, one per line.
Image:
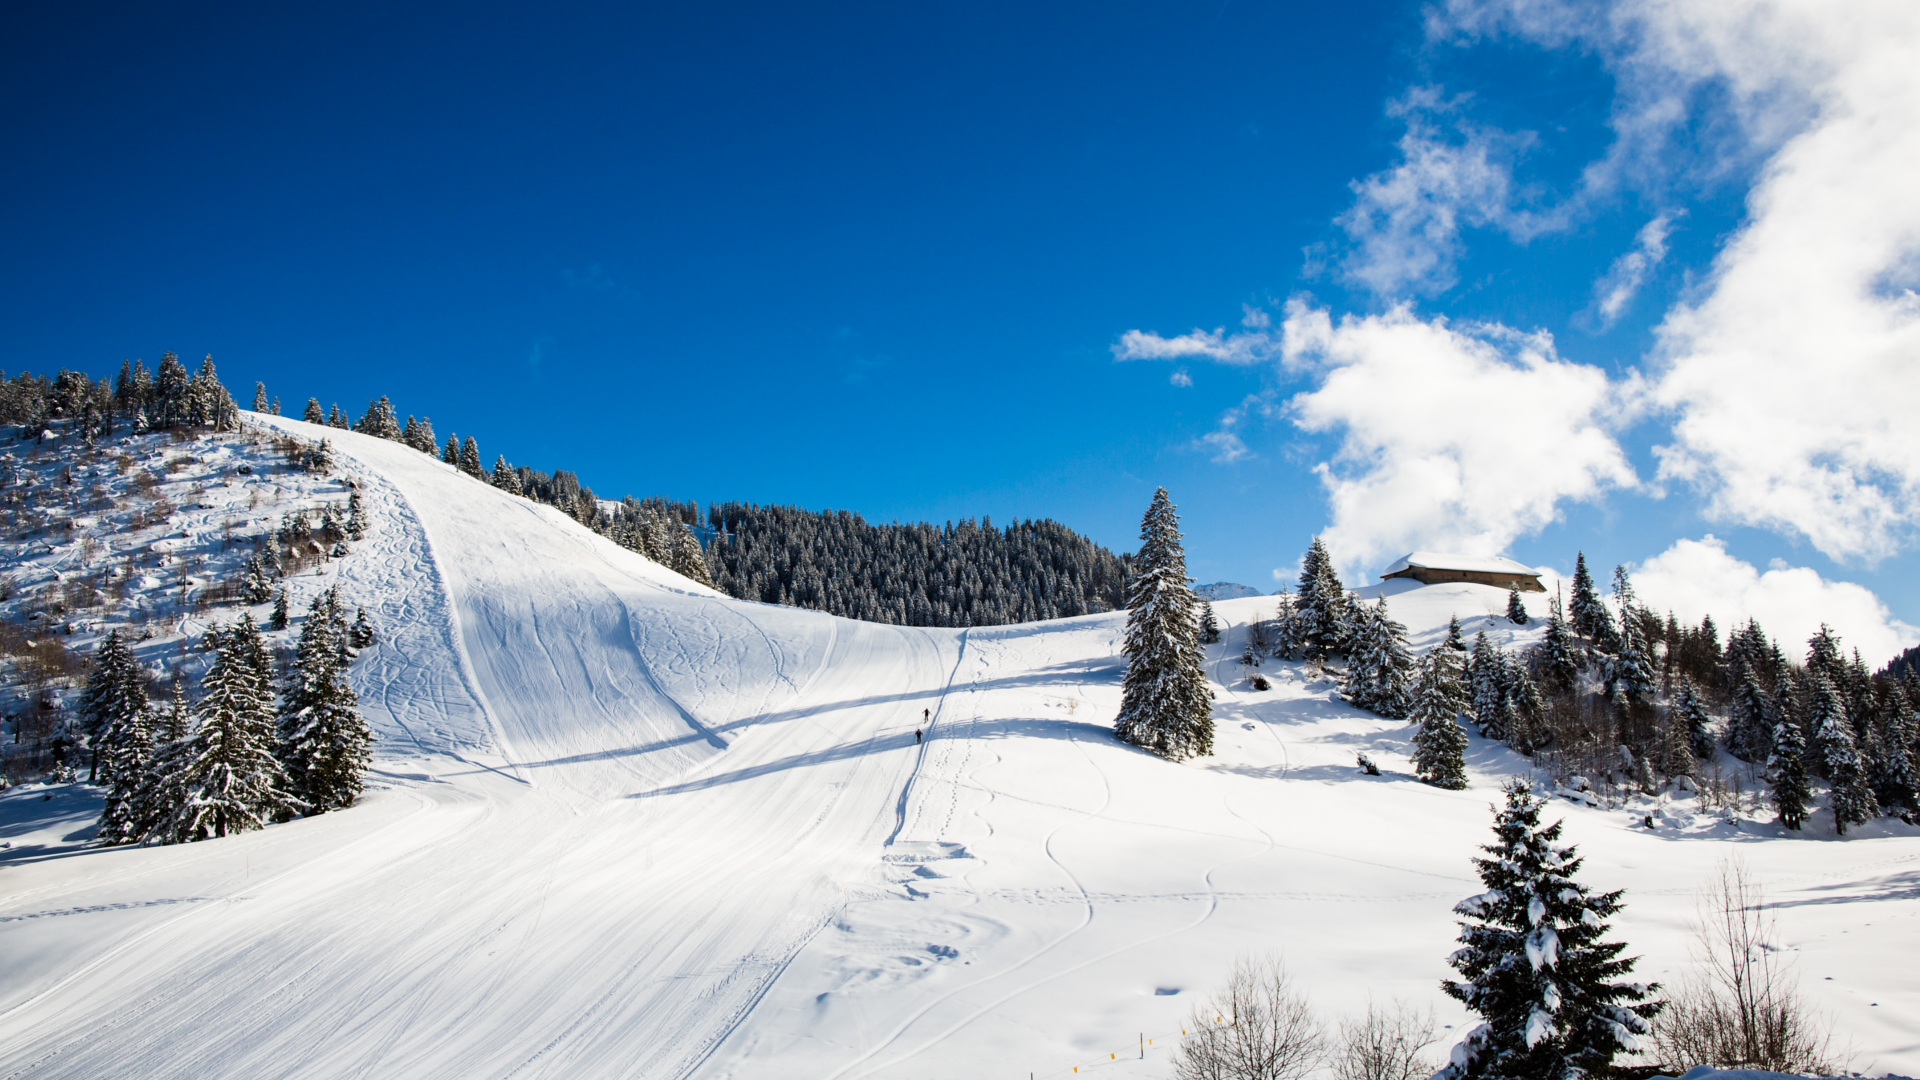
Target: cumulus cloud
column 1405, row 223
column 1696, row 578
column 1180, row 377
column 1451, row 438
column 1793, row 375
column 1224, row 440
column 1623, row 279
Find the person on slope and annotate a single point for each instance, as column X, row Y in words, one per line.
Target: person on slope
column 916, row 736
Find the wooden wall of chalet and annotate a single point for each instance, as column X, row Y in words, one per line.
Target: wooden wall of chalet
column 1431, row 576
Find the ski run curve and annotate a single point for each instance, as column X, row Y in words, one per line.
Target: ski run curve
column 621, row 826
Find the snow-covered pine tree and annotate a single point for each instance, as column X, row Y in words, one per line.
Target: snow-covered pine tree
column 1556, row 659
column 1896, row 783
column 1850, row 797
column 161, row 790
column 1787, row 773
column 361, row 634
column 1550, row 992
column 255, row 584
column 230, row 777
column 1690, row 712
column 1586, row 612
column 339, row 418
column 1455, row 640
column 451, row 453
column 1487, row 683
column 1527, row 727
column 169, row 398
column 278, row 620
column 1209, row 623
column 1516, row 607
column 424, row 440
column 260, row 403
column 469, row 462
column 356, row 517
column 1380, row 674
column 1165, row 704
column 323, row 742
column 379, row 420
column 1319, row 608
column 685, row 557
column 112, row 706
column 313, row 415
column 504, row 477
column 274, row 408
column 1440, row 744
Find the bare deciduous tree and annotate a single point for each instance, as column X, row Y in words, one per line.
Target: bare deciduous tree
column 1742, row 1008
column 1256, row 1027
column 1385, row 1044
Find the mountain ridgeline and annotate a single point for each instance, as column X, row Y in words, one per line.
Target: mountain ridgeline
column 963, row 574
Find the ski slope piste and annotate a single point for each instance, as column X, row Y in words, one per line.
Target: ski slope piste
column 622, row 826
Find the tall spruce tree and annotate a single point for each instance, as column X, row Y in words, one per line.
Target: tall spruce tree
column 314, row 415
column 112, row 706
column 260, row 403
column 1439, row 744
column 1555, row 658
column 1381, row 670
column 1487, row 681
column 324, row 744
column 1787, row 773
column 1896, row 783
column 127, row 742
column 1850, row 796
column 1550, row 992
column 230, row 778
column 1690, row 712
column 1319, row 610
column 1209, row 623
column 379, row 420
column 1586, row 611
column 1165, row 704
column 1455, row 639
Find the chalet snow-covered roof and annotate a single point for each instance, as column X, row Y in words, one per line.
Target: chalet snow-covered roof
column 1472, row 564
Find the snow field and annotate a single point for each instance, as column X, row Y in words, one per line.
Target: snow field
column 621, row 826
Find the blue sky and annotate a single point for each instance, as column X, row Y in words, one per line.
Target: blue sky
column 887, row 258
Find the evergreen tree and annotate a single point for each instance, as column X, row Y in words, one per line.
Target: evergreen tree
column 361, row 635
column 425, row 441
column 1165, row 705
column 379, row 420
column 1690, row 712
column 1487, row 683
column 356, row 516
column 255, row 583
column 275, row 407
column 1209, row 624
column 1527, row 723
column 1319, row 606
column 231, row 779
column 1455, row 640
column 1516, row 608
column 1851, row 799
column 1381, row 675
column 278, row 620
column 338, row 418
column 260, row 397
column 685, row 558
column 1548, row 990
column 504, row 477
column 1555, row 658
column 313, row 415
column 469, row 462
column 1751, row 715
column 1440, row 744
column 161, row 790
column 1787, row 772
column 169, row 409
column 113, row 706
column 1895, row 783
column 324, row 743
column 451, row 455
column 1586, row 611
column 123, row 817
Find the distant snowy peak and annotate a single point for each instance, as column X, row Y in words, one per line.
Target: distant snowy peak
column 1224, row 590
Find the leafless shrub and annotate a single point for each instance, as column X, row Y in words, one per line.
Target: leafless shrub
column 1256, row 1027
column 1742, row 1008
column 1260, row 638
column 1385, row 1044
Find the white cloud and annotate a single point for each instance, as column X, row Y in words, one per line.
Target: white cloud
column 1405, row 222
column 1457, row 439
column 1180, row 377
column 1250, row 345
column 1696, row 578
column 1794, row 375
column 1623, row 279
column 1225, row 442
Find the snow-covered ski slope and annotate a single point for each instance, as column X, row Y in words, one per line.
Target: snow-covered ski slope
column 624, row 827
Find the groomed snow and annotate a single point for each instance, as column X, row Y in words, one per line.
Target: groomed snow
column 622, row 826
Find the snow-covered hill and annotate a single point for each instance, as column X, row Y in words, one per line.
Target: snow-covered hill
column 621, row 826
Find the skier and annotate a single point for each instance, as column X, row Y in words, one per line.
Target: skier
column 916, row 736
